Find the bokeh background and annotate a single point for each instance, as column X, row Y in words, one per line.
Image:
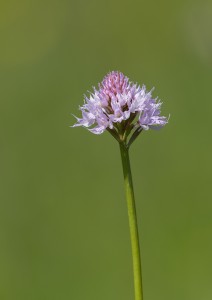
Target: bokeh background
column 63, row 217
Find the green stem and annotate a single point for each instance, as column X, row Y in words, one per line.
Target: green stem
column 132, row 221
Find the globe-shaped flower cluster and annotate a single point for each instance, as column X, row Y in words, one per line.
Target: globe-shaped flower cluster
column 121, row 107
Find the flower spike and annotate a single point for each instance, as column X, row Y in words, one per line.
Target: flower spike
column 120, row 105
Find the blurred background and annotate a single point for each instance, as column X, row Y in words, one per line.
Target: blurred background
column 63, row 216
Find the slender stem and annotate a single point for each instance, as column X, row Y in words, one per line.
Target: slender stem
column 132, row 221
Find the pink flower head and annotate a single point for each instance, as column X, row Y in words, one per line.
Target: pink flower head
column 120, row 106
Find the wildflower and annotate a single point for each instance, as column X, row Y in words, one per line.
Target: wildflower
column 124, row 109
column 121, row 107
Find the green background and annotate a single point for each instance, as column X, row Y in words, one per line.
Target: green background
column 63, row 216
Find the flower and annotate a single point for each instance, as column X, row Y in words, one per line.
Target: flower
column 120, row 105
